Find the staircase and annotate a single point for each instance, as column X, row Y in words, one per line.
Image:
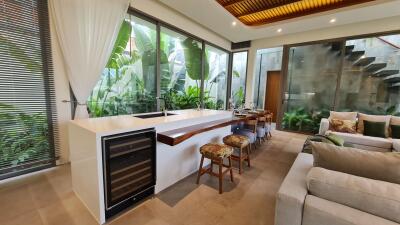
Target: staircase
column 370, row 66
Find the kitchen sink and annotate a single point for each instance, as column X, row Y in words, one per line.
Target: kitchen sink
column 153, row 115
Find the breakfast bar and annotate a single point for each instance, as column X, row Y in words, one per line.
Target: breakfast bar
column 96, row 144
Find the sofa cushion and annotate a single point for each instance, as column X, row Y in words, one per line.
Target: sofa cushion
column 343, row 115
column 374, row 165
column 395, row 120
column 396, row 145
column 318, row 211
column 345, row 126
column 292, row 193
column 373, row 118
column 376, row 197
column 374, row 129
column 364, row 140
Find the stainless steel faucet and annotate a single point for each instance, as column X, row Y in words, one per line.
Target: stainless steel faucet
column 164, row 110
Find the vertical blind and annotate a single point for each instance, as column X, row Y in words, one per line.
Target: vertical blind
column 28, row 132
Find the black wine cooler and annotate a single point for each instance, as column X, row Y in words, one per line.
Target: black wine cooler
column 129, row 162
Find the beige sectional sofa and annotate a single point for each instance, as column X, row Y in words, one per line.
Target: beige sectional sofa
column 316, row 196
column 358, row 140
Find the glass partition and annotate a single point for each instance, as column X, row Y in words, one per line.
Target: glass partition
column 215, row 78
column 269, row 59
column 370, row 76
column 180, row 69
column 312, row 76
column 128, row 83
column 238, row 85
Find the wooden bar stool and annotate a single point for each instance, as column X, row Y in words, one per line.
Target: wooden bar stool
column 240, row 142
column 216, row 153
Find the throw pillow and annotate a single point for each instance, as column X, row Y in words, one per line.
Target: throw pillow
column 344, row 126
column 335, row 139
column 317, row 138
column 343, row 115
column 395, row 131
column 395, row 120
column 374, row 118
column 383, row 166
column 374, row 129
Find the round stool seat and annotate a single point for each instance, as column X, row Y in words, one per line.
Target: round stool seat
column 236, row 140
column 215, row 150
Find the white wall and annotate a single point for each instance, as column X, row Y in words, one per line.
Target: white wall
column 382, row 25
column 169, row 15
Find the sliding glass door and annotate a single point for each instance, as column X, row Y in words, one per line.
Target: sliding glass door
column 312, row 76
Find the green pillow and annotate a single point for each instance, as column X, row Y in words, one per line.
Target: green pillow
column 374, row 129
column 395, row 131
column 335, row 139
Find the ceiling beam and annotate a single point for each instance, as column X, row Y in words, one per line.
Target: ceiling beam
column 272, row 5
column 231, row 3
column 306, row 12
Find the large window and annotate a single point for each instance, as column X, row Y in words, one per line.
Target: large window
column 238, row 85
column 151, row 59
column 26, row 89
column 370, row 76
column 359, row 74
column 128, row 83
column 215, row 78
column 180, row 70
column 313, row 71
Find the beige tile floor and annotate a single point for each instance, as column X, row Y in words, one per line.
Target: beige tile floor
column 47, row 197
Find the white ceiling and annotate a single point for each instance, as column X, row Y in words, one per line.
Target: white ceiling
column 213, row 16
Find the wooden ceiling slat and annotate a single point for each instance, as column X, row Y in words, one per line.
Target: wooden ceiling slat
column 259, row 12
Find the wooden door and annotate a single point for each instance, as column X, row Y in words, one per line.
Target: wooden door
column 272, row 93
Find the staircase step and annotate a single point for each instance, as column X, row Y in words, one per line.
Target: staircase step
column 336, row 46
column 396, row 85
column 364, row 61
column 353, row 56
column 349, row 49
column 383, row 73
column 374, row 67
column 392, row 78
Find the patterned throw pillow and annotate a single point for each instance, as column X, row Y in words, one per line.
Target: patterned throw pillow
column 344, row 126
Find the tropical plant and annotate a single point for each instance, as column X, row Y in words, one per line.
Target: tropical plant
column 301, row 120
column 239, row 96
column 29, row 141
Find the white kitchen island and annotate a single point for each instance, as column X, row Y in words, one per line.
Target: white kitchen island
column 173, row 163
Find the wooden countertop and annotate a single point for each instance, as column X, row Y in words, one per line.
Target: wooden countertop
column 174, row 137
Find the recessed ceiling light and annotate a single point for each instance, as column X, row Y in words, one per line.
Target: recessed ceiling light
column 279, row 30
column 234, row 23
column 333, row 20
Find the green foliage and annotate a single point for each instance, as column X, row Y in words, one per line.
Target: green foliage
column 301, row 120
column 239, row 96
column 193, row 55
column 120, row 43
column 236, row 74
column 27, row 142
column 18, row 54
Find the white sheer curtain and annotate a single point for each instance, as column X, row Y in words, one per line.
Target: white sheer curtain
column 86, row 31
